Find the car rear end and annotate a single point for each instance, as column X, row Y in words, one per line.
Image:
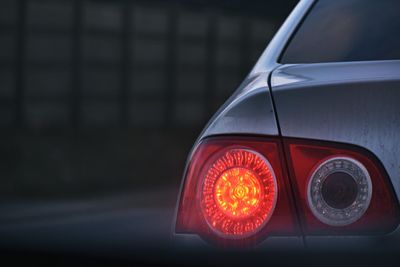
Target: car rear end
column 305, row 153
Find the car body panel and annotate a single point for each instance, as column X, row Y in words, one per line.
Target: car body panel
column 270, row 57
column 302, row 102
column 250, row 109
column 353, row 102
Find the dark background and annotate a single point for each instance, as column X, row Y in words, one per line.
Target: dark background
column 101, row 101
column 99, row 97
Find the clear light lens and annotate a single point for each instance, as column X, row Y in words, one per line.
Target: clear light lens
column 339, row 191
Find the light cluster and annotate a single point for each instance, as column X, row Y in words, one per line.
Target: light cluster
column 239, row 193
column 339, row 211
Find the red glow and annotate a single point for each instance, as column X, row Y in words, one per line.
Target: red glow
column 215, row 203
column 281, row 220
column 239, row 193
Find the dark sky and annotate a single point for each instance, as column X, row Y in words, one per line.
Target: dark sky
column 272, row 8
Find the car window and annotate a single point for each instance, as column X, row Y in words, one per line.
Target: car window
column 347, row 30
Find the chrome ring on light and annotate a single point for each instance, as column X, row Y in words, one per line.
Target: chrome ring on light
column 344, row 216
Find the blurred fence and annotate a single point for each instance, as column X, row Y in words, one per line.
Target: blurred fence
column 146, row 73
column 66, row 63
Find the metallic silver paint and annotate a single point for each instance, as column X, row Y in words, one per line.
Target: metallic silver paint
column 354, row 102
column 250, row 109
column 269, row 59
column 249, row 112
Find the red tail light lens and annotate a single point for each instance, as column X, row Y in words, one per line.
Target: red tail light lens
column 236, row 192
column 239, row 193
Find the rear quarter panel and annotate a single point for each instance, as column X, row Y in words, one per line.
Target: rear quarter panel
column 355, row 103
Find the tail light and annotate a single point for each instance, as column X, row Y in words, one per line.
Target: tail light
column 237, row 191
column 341, row 189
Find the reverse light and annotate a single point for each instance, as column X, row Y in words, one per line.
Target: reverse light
column 339, row 191
column 239, row 193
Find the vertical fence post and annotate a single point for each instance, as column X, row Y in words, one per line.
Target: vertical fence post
column 211, row 64
column 171, row 66
column 20, row 66
column 77, row 62
column 126, row 70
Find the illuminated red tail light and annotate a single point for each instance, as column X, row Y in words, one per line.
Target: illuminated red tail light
column 237, row 191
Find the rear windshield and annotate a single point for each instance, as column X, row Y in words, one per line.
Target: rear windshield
column 347, row 30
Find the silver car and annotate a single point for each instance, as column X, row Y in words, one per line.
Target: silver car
column 305, row 153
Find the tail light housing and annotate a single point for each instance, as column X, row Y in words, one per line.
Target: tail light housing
column 262, row 205
column 238, row 191
column 374, row 209
column 339, row 191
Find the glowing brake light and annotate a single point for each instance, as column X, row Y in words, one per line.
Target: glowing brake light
column 239, row 193
column 235, row 192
